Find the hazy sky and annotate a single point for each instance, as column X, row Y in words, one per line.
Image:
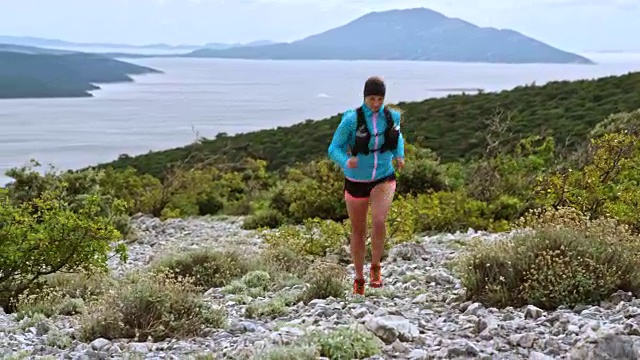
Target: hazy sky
column 574, row 25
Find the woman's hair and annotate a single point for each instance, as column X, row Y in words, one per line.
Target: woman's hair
column 377, row 84
column 374, row 86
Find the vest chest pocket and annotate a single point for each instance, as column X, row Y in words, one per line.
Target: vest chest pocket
column 363, row 135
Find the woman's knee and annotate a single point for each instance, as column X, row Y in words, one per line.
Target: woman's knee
column 379, row 222
column 358, row 232
column 357, row 215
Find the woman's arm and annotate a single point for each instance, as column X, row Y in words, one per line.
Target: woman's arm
column 339, row 144
column 399, row 151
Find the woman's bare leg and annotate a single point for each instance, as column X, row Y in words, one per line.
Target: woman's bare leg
column 381, row 199
column 357, row 209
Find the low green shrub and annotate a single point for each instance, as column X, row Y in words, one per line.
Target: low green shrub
column 423, row 173
column 450, row 212
column 46, row 235
column 606, row 183
column 560, row 258
column 315, row 237
column 342, row 343
column 346, row 342
column 150, row 305
column 325, row 280
column 267, row 218
column 209, row 268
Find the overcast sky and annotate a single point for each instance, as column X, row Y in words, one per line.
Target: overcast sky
column 574, row 25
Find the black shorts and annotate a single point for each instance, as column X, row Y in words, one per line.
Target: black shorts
column 362, row 190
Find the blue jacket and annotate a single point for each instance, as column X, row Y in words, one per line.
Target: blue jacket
column 375, row 165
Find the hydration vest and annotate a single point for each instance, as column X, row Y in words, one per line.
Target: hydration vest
column 363, row 135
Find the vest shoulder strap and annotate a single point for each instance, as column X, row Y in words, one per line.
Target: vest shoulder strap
column 389, row 117
column 361, row 120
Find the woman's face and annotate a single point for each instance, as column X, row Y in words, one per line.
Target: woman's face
column 374, row 102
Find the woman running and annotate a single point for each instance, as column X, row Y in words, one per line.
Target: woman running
column 364, row 145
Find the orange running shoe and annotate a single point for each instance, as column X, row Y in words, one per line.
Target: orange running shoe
column 358, row 287
column 375, row 276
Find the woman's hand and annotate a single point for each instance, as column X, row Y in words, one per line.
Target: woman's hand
column 399, row 163
column 352, row 163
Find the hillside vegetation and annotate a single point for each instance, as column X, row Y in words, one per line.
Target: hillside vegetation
column 577, row 208
column 27, row 72
column 409, row 34
column 453, row 126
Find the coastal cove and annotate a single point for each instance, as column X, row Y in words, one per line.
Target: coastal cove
column 160, row 111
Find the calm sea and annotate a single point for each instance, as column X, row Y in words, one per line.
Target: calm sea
column 162, row 111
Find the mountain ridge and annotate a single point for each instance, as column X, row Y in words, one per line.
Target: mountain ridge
column 407, row 34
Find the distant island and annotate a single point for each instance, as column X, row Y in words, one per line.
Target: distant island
column 412, row 34
column 63, row 44
column 56, row 43
column 30, row 72
column 418, row 34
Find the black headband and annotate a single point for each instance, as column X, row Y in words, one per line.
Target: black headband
column 374, row 87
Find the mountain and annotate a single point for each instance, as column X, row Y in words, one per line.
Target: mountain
column 412, row 34
column 217, row 46
column 30, row 72
column 452, row 126
column 260, row 43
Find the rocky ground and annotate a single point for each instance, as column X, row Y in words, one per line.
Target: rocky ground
column 418, row 315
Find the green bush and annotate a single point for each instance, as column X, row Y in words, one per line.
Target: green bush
column 269, row 218
column 346, row 342
column 315, row 237
column 64, row 294
column 422, row 173
column 289, row 352
column 267, row 309
column 451, row 211
column 137, row 191
column 208, row 268
column 72, row 187
column 149, row 305
column 325, row 280
column 313, row 190
column 341, row 343
column 618, row 122
column 506, row 180
column 608, row 183
column 281, row 260
column 187, row 189
column 563, row 258
column 46, row 235
column 48, row 302
column 210, row 204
